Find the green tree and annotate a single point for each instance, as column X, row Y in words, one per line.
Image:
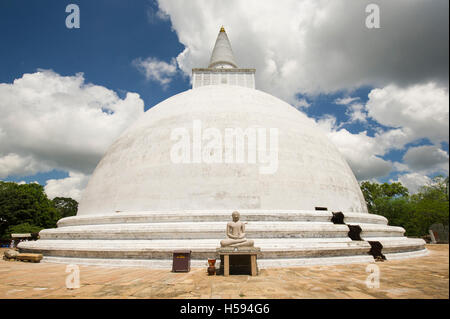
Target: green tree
column 374, row 192
column 415, row 213
column 431, row 204
column 66, row 206
column 25, row 204
column 24, row 228
column 436, row 189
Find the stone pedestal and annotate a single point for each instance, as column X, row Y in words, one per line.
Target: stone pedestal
column 240, row 258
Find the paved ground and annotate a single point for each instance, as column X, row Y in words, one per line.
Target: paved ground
column 424, row 277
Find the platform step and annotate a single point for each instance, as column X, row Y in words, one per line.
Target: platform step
column 217, row 216
column 212, row 230
column 205, row 248
column 262, row 263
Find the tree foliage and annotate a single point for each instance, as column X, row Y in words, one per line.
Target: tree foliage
column 24, row 228
column 66, row 206
column 417, row 212
column 26, row 208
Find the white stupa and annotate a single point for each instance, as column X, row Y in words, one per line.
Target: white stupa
column 140, row 204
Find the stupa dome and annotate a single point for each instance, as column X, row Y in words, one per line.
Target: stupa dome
column 172, row 180
column 138, row 174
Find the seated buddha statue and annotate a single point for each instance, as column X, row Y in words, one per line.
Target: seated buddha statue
column 236, row 233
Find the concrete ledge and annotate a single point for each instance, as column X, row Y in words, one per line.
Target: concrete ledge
column 238, row 250
column 299, row 262
column 270, row 248
column 203, row 249
column 356, row 218
column 213, row 230
column 402, row 244
column 220, row 215
column 167, row 263
column 189, row 230
column 374, row 230
column 408, row 254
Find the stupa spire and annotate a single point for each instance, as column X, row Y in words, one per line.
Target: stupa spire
column 222, row 67
column 222, row 55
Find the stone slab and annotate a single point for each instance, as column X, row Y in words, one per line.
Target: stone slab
column 29, row 257
column 238, row 250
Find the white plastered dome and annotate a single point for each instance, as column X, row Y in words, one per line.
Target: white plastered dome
column 137, row 173
column 140, row 205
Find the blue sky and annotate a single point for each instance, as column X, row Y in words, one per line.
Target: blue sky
column 115, row 34
column 111, row 36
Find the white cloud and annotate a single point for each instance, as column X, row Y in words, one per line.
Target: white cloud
column 301, row 103
column 71, row 186
column 357, row 113
column 154, row 16
column 420, row 163
column 416, row 112
column 413, row 181
column 156, row 70
column 315, row 46
column 13, row 164
column 346, row 100
column 327, row 123
column 362, row 153
column 421, row 111
column 427, row 158
column 400, row 167
column 49, row 121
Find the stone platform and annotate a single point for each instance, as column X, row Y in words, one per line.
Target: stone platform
column 239, row 254
column 148, row 238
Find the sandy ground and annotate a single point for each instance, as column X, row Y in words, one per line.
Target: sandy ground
column 423, row 277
